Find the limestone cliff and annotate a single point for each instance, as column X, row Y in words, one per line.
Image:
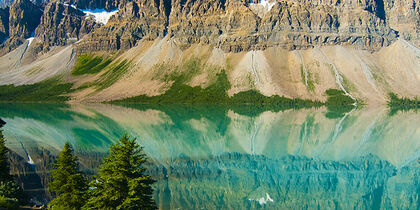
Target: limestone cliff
column 137, row 20
column 24, row 17
column 404, row 17
column 4, row 24
column 62, row 23
column 232, row 25
column 89, row 4
column 235, row 25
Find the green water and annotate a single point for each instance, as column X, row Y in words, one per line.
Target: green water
column 217, row 157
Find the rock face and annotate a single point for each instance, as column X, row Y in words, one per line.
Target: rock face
column 24, row 17
column 289, row 24
column 404, row 16
column 232, row 25
column 136, row 20
column 4, row 24
column 103, row 4
column 62, row 23
column 5, row 3
column 235, row 25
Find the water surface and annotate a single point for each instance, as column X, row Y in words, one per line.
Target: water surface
column 215, row 157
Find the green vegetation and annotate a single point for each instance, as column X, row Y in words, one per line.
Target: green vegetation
column 396, row 103
column 8, row 203
column 310, row 86
column 255, row 97
column 51, row 90
column 122, row 183
column 216, row 93
column 113, row 73
column 338, row 98
column 10, row 192
column 68, row 183
column 338, row 103
column 178, row 93
column 89, row 64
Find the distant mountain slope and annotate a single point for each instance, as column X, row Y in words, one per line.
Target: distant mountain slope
column 295, row 49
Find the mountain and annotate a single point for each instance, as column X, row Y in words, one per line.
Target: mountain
column 297, row 49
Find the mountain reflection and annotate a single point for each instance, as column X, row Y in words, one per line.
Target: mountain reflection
column 215, row 157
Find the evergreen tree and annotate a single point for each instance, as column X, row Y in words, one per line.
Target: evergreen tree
column 121, row 182
column 68, row 182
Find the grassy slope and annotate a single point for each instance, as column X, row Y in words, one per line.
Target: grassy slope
column 179, row 93
column 89, row 64
column 50, row 90
column 216, row 93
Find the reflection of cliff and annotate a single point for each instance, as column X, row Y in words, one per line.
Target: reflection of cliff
column 368, row 157
column 235, row 181
column 168, row 132
column 33, row 177
column 240, row 181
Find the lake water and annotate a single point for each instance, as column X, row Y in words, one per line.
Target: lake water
column 215, row 157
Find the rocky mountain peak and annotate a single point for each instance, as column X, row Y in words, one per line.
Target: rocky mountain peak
column 4, row 24
column 232, row 25
column 62, row 23
column 24, row 18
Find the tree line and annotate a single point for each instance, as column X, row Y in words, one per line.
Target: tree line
column 121, row 183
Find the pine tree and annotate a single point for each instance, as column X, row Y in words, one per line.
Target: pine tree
column 68, row 182
column 121, row 182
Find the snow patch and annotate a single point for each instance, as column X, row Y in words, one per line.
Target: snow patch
column 266, row 4
column 100, row 15
column 30, row 161
column 30, row 39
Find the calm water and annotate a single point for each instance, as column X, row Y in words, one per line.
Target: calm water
column 211, row 157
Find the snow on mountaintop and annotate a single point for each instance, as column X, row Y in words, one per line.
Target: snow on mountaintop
column 100, row 15
column 266, row 4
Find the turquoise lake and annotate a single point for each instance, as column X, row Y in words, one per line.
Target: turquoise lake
column 244, row 157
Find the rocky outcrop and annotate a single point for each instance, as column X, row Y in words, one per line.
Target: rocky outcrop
column 310, row 24
column 103, row 4
column 4, row 24
column 290, row 24
column 5, row 3
column 232, row 25
column 62, row 24
column 137, row 20
column 235, row 25
column 404, row 16
column 24, row 17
